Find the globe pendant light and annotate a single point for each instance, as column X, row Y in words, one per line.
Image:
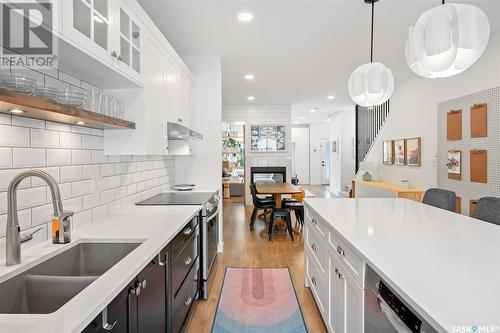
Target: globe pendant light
column 371, row 84
column 446, row 40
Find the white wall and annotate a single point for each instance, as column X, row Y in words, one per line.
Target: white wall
column 318, row 131
column 342, row 129
column 300, row 154
column 413, row 113
column 262, row 115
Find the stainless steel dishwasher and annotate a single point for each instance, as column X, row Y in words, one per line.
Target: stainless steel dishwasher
column 387, row 312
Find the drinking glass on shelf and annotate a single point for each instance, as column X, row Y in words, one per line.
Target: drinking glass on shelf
column 120, row 109
column 106, row 104
column 113, row 107
column 94, row 99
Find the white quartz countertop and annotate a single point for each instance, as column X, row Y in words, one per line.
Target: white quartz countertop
column 154, row 226
column 446, row 265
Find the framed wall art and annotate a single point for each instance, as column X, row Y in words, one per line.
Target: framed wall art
column 399, row 152
column 413, row 152
column 388, row 152
column 267, row 138
column 454, row 164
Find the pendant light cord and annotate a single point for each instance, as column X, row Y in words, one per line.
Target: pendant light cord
column 371, row 48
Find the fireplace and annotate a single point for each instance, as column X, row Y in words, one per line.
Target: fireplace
column 267, row 175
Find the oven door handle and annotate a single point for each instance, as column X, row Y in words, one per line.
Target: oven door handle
column 391, row 316
column 214, row 214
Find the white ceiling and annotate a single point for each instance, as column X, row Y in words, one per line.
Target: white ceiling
column 299, row 51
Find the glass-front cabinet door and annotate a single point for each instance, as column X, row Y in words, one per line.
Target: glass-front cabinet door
column 89, row 24
column 130, row 39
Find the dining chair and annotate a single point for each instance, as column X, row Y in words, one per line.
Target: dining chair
column 259, row 204
column 283, row 213
column 295, row 204
column 440, row 198
column 488, row 209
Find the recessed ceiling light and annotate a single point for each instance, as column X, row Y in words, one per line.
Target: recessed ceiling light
column 303, row 117
column 16, row 111
column 251, row 98
column 249, row 77
column 314, row 110
column 80, row 123
column 330, row 97
column 245, row 17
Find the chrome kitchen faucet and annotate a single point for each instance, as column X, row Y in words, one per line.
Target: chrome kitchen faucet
column 13, row 232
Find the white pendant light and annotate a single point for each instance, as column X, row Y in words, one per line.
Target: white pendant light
column 371, row 84
column 446, row 40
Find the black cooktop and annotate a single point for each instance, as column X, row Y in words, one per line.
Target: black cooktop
column 177, row 198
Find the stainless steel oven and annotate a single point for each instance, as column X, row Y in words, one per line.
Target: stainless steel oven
column 386, row 311
column 209, row 240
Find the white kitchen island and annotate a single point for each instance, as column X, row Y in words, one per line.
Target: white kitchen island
column 444, row 265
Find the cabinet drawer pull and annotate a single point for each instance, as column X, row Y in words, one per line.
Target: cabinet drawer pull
column 187, row 261
column 314, row 221
column 313, row 246
column 188, row 301
column 113, row 54
column 105, row 324
column 313, row 280
column 336, row 271
column 160, row 263
column 340, row 250
column 187, row 231
column 341, row 276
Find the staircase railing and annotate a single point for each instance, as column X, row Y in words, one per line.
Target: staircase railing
column 369, row 122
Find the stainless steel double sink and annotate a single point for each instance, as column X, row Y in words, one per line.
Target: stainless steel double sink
column 49, row 285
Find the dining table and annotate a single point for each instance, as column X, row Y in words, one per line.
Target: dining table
column 277, row 190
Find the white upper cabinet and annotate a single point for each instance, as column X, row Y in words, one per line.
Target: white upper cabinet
column 130, row 36
column 106, row 30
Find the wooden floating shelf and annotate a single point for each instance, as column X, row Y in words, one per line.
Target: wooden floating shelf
column 38, row 108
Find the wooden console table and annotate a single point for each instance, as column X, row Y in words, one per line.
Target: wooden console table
column 415, row 194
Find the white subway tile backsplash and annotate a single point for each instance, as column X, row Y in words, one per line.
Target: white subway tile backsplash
column 58, row 157
column 87, row 86
column 97, row 131
column 28, row 157
column 64, row 189
column 90, row 171
column 74, row 204
column 81, row 156
column 71, row 173
column 44, row 139
column 71, row 140
column 42, row 214
column 99, row 157
column 24, row 217
column 3, row 202
column 80, row 129
column 6, row 177
column 5, row 119
column 14, row 136
column 107, row 170
column 100, row 212
column 108, row 196
column 5, row 157
column 82, row 218
column 30, row 197
column 55, row 83
column 81, row 188
column 69, row 79
column 92, row 200
column 28, row 122
column 91, row 142
column 58, row 127
column 115, row 208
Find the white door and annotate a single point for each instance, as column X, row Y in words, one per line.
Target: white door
column 301, row 163
column 326, row 151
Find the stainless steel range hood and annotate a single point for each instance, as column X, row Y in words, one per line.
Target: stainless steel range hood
column 179, row 132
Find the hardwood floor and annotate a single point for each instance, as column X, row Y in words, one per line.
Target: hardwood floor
column 245, row 248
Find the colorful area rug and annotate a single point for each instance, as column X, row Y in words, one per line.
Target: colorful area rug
column 258, row 300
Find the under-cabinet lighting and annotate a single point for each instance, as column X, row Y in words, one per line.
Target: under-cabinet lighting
column 249, row 77
column 251, row 98
column 80, row 123
column 16, row 111
column 245, row 17
column 330, row 97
